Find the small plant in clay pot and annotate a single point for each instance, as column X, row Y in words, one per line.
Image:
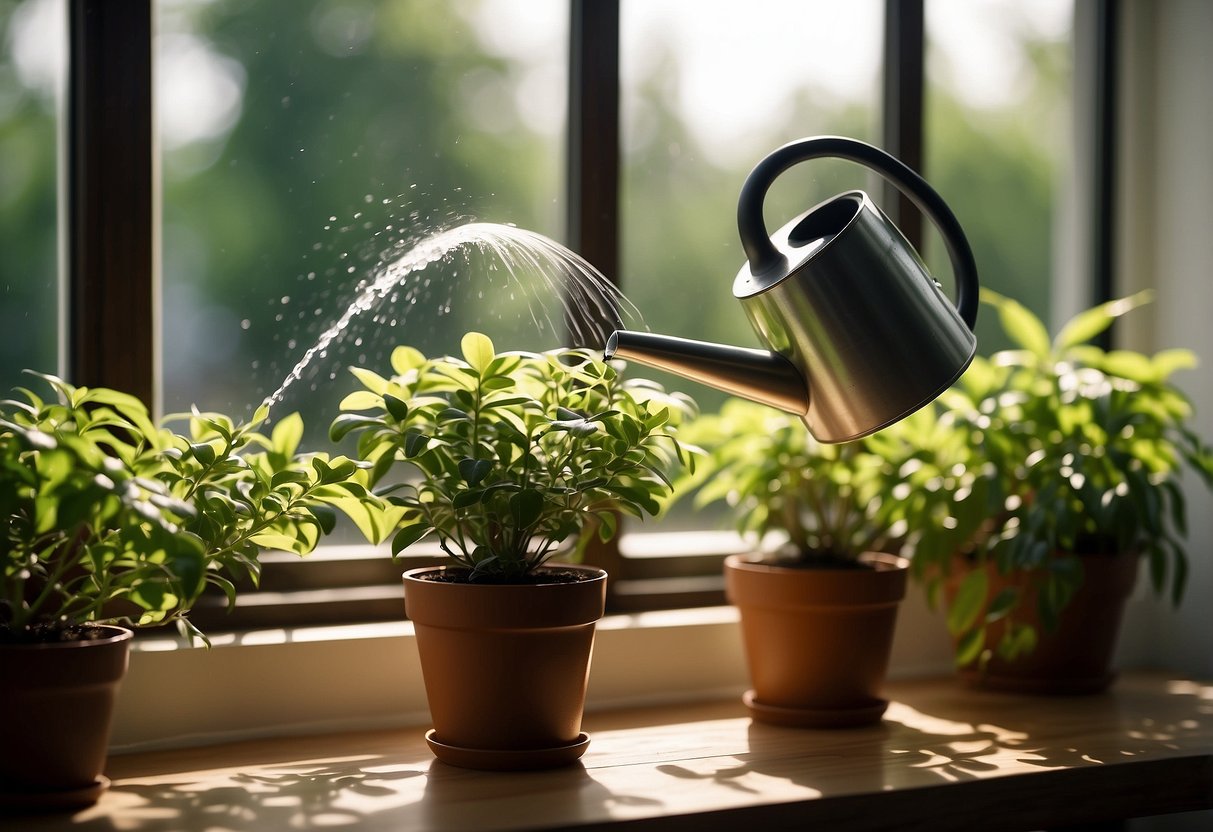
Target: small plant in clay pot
column 818, row 609
column 508, row 460
column 110, row 520
column 1067, row 476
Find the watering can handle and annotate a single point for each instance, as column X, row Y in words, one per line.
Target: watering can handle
column 763, row 255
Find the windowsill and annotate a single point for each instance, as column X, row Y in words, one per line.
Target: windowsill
column 944, row 758
column 308, row 680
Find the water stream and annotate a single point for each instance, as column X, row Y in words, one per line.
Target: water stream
column 548, row 275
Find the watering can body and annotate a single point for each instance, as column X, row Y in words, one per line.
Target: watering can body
column 860, row 334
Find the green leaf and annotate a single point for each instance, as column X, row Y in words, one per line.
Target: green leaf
column 474, row 470
column 406, row 358
column 408, row 535
column 415, row 443
column 526, row 507
column 1021, row 326
column 467, row 498
column 344, row 424
column 371, row 381
column 608, row 527
column 361, row 400
column 396, row 407
column 1087, row 324
column 287, row 434
column 1019, row 640
column 1167, row 362
column 374, row 521
column 970, row 647
column 325, row 516
column 477, row 350
column 204, row 453
column 278, row 540
column 968, row 603
column 1002, row 604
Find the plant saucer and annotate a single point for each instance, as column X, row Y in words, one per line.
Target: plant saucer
column 507, row 760
column 53, row 801
column 1038, row 685
column 865, row 714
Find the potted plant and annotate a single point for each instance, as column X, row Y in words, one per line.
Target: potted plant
column 506, row 459
column 817, row 612
column 1066, row 475
column 108, row 521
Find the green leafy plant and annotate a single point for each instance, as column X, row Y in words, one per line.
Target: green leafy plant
column 1064, row 449
column 828, row 503
column 512, row 454
column 111, row 519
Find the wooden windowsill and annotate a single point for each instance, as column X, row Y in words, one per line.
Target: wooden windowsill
column 944, row 758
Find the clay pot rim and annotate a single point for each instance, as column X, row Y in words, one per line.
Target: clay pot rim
column 413, row 576
column 763, row 585
column 116, row 634
column 754, row 562
column 504, row 606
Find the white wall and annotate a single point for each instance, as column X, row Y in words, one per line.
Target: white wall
column 1166, row 242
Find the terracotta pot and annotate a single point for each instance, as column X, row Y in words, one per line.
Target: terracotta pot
column 1077, row 656
column 58, row 700
column 817, row 641
column 505, row 666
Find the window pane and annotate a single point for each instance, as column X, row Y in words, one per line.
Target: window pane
column 999, row 87
column 31, row 63
column 307, row 143
column 709, row 88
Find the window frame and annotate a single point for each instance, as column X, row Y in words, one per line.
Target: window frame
column 110, row 283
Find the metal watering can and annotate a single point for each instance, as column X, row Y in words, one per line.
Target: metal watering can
column 861, row 335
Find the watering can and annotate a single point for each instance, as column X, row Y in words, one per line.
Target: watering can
column 861, row 335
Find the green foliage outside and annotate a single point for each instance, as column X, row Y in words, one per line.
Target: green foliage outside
column 509, row 455
column 396, row 113
column 110, row 518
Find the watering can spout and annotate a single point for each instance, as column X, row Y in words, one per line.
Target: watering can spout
column 758, row 375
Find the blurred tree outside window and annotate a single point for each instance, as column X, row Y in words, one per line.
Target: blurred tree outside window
column 998, row 136
column 306, row 144
column 31, row 71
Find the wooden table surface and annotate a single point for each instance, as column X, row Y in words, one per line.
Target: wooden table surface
column 944, row 758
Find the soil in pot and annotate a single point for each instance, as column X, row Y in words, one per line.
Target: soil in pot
column 1076, row 657
column 817, row 640
column 506, row 665
column 60, row 697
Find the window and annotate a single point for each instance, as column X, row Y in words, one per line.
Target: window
column 31, row 64
column 301, row 144
column 998, row 138
column 307, row 144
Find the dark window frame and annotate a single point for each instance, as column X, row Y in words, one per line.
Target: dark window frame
column 110, row 285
